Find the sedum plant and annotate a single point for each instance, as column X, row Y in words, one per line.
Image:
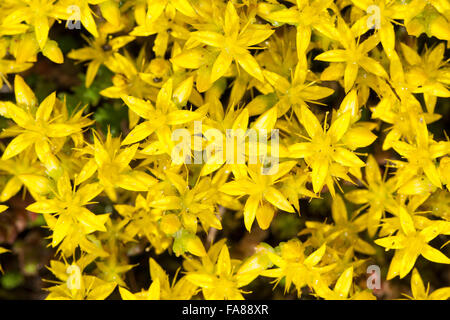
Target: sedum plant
column 352, row 89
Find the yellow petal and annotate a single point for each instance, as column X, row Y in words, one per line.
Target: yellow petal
column 154, row 292
column 393, row 242
column 126, row 295
column 249, row 64
column 90, row 220
column 182, row 93
column 209, row 38
column 339, row 127
column 315, row 257
column 372, row 66
column 184, row 7
column 358, row 137
column 303, row 38
column 101, row 291
column 417, row 287
column 409, row 259
column 221, row 65
column 387, row 37
column 338, row 210
column 250, row 211
column 347, row 158
column 434, row 255
column 24, row 95
column 231, row 26
column 266, row 121
column 182, row 116
column 358, row 196
column 195, row 246
column 394, row 267
column 88, row 21
column 342, row 287
column 139, row 106
column 135, row 181
column 41, row 28
column 432, row 173
column 319, row 173
column 46, row 107
column 406, row 221
column 278, row 82
column 223, row 262
column 264, row 216
column 61, row 228
column 310, row 122
column 170, row 223
column 190, row 59
column 201, row 279
column 333, row 56
column 17, row 145
column 140, row 132
column 11, row 188
column 276, row 198
column 410, row 55
column 91, row 72
column 110, row 11
column 53, row 52
column 350, row 74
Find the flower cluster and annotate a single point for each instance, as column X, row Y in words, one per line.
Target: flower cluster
column 334, row 78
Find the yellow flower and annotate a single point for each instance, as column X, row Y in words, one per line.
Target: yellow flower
column 429, row 73
column 342, row 289
column 158, row 119
column 188, row 203
column 410, row 243
column 419, row 292
column 153, row 293
column 325, row 153
column 69, row 205
column 109, row 8
column 144, row 221
column 264, row 197
column 380, row 15
column 72, row 284
column 378, row 196
column 112, row 166
column 232, row 43
column 218, row 276
column 128, row 79
column 428, row 17
column 290, row 263
column 305, row 15
column 161, row 289
column 421, row 154
column 40, row 14
column 37, row 127
column 354, row 54
column 100, row 50
column 345, row 233
column 401, row 115
column 295, row 93
column 24, row 170
column 165, row 25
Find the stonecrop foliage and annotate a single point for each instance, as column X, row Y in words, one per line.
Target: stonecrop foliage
column 353, row 86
